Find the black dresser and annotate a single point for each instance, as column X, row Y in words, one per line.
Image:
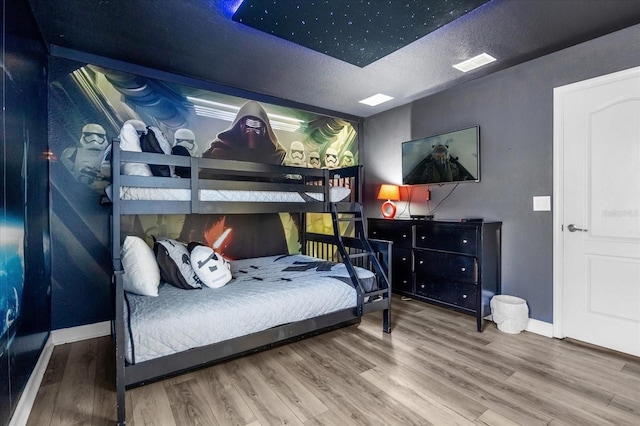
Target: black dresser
column 451, row 264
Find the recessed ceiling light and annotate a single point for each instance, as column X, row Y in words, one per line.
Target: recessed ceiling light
column 475, row 62
column 376, row 99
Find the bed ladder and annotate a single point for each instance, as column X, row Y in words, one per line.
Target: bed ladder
column 371, row 300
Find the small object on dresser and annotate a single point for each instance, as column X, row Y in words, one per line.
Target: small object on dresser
column 421, row 216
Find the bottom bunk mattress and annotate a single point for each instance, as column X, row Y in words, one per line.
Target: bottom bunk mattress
column 264, row 292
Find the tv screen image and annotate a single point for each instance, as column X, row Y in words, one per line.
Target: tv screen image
column 444, row 158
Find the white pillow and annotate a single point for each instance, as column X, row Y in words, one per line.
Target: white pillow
column 213, row 270
column 130, row 141
column 141, row 272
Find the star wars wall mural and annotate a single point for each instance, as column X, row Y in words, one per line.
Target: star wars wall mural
column 90, row 105
column 11, row 248
column 24, row 251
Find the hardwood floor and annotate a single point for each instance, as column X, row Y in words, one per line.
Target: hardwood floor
column 434, row 368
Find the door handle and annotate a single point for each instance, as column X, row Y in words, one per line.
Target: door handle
column 573, row 228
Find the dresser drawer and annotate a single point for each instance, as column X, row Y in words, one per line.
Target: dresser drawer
column 450, row 237
column 456, row 294
column 401, row 270
column 441, row 265
column 391, row 230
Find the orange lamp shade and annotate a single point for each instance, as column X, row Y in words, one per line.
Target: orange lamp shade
column 390, row 193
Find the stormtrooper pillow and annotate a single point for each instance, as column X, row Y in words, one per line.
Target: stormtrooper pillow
column 212, row 269
column 174, row 262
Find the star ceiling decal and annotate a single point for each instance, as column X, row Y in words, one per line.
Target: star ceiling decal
column 358, row 32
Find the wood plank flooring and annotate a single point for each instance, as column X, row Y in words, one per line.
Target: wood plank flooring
column 433, row 369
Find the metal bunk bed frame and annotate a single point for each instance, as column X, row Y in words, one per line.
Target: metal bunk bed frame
column 357, row 250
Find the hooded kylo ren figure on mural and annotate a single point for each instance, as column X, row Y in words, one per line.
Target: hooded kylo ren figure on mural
column 249, row 138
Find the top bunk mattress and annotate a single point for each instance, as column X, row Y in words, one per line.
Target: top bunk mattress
column 336, row 194
column 264, row 292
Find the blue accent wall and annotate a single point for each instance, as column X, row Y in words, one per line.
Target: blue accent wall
column 25, row 305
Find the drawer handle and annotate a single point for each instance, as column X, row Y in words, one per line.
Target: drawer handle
column 463, row 269
column 464, row 296
column 421, row 262
column 464, row 241
column 404, row 235
column 423, row 237
column 404, row 258
column 422, row 286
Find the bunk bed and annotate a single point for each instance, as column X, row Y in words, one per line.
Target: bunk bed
column 353, row 281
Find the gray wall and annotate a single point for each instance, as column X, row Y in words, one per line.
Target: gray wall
column 514, row 109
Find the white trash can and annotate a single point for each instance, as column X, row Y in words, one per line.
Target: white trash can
column 510, row 313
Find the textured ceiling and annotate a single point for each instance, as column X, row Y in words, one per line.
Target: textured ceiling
column 358, row 32
column 198, row 38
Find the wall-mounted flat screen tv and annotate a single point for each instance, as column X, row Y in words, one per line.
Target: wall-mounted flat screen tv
column 445, row 158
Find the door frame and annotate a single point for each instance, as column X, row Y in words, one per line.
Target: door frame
column 558, row 187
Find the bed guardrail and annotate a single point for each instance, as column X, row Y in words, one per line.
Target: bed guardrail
column 227, row 175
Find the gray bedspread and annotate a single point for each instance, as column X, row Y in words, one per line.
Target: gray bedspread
column 264, row 293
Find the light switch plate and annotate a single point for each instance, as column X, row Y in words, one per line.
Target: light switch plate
column 542, row 203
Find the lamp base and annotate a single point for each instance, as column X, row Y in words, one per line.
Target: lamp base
column 388, row 209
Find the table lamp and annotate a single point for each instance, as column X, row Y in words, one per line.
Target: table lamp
column 390, row 193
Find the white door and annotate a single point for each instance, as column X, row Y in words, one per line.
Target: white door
column 597, row 224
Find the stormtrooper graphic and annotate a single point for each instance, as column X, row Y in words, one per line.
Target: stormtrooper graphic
column 184, row 143
column 210, row 267
column 331, row 159
column 84, row 159
column 347, row 159
column 296, row 155
column 314, row 160
column 187, row 139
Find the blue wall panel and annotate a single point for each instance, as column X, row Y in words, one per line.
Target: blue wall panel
column 25, row 305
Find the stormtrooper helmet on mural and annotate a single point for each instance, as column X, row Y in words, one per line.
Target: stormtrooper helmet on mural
column 187, row 139
column 93, row 137
column 347, row 159
column 296, row 155
column 331, row 158
column 314, row 160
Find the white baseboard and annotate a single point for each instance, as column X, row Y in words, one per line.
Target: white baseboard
column 535, row 326
column 540, row 327
column 83, row 332
column 56, row 337
column 28, row 397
